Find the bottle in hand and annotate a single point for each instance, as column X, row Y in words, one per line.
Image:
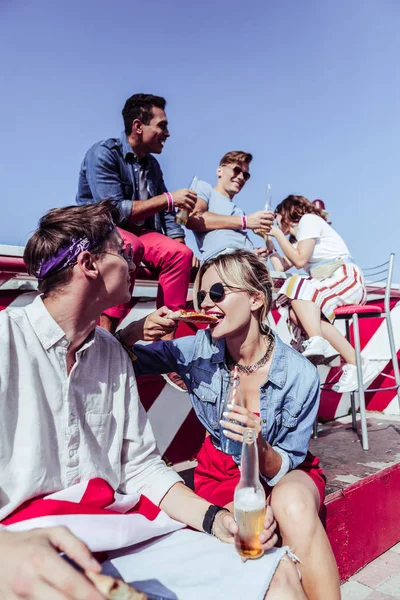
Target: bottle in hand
column 268, row 207
column 249, row 501
column 182, row 215
column 234, row 396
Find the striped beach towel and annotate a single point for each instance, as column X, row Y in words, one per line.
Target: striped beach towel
column 104, row 519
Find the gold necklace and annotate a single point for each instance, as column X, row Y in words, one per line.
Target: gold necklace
column 248, row 369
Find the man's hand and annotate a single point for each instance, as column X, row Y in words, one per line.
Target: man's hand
column 185, row 199
column 225, row 527
column 268, row 537
column 31, row 567
column 262, row 219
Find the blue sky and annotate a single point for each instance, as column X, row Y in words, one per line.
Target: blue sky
column 310, row 87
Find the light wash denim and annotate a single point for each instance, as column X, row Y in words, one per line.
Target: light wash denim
column 111, row 169
column 289, row 398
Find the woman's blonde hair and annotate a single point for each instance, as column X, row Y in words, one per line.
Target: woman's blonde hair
column 242, row 269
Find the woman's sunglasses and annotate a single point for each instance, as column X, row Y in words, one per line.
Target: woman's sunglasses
column 216, row 292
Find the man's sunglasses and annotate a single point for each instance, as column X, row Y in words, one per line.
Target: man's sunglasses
column 238, row 171
column 126, row 253
column 216, row 292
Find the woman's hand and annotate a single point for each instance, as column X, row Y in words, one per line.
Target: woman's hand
column 275, row 231
column 241, row 415
column 157, row 324
column 150, row 328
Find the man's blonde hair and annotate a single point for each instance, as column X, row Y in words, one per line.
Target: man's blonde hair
column 242, row 269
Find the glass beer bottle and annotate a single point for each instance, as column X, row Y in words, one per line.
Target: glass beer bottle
column 249, row 500
column 268, row 207
column 234, row 396
column 182, row 215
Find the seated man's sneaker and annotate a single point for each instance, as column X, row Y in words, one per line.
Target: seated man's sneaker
column 315, row 348
column 348, row 381
column 176, row 381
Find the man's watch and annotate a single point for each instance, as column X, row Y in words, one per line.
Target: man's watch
column 209, row 517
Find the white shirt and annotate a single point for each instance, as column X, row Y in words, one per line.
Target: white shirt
column 328, row 246
column 58, row 429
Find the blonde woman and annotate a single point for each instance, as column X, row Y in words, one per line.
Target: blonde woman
column 281, row 395
column 333, row 280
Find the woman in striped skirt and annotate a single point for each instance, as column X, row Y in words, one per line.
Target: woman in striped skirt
column 333, row 280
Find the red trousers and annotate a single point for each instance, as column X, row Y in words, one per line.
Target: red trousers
column 172, row 259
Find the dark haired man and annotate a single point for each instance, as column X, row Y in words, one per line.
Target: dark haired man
column 124, row 170
column 219, row 225
column 71, row 416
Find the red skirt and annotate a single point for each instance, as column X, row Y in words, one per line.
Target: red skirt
column 217, row 475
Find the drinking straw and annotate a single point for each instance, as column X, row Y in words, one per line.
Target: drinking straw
column 235, row 383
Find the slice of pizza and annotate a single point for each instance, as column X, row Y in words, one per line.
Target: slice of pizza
column 114, row 589
column 191, row 316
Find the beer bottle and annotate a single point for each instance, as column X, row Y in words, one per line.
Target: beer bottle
column 249, row 500
column 234, row 396
column 182, row 215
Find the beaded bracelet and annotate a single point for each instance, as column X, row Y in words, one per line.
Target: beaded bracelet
column 244, row 222
column 170, row 200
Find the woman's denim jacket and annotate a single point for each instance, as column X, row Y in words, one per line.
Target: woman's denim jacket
column 289, row 398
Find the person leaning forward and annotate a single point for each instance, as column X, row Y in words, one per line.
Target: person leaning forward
column 70, row 413
column 124, row 170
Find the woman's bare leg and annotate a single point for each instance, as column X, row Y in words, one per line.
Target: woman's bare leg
column 309, row 315
column 339, row 342
column 285, row 584
column 305, row 313
column 295, row 502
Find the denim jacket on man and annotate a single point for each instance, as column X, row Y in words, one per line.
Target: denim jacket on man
column 110, row 169
column 289, row 398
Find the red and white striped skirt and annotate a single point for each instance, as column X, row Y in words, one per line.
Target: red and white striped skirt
column 345, row 286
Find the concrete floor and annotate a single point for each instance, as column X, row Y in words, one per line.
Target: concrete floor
column 379, row 580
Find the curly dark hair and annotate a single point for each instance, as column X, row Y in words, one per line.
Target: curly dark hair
column 139, row 106
column 293, row 208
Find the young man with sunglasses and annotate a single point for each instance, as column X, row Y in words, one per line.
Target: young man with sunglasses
column 124, row 170
column 219, row 225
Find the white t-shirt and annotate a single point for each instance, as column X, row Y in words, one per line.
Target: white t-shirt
column 328, row 246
